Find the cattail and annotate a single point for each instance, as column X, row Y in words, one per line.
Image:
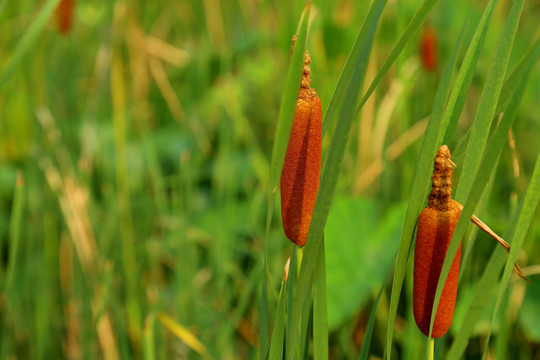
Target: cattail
column 302, row 166
column 64, row 14
column 428, row 49
column 435, row 228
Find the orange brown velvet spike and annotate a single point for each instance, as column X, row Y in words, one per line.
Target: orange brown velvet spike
column 64, row 15
column 302, row 166
column 435, row 228
column 429, row 49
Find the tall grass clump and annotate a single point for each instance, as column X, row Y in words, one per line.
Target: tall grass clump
column 155, row 161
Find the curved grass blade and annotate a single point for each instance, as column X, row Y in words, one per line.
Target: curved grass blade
column 466, row 73
column 411, row 29
column 28, row 39
column 488, row 102
column 320, row 311
column 286, row 114
column 182, row 333
column 527, row 212
column 306, row 325
column 15, row 227
column 291, row 281
column 364, row 352
column 3, row 5
column 264, row 325
column 489, row 278
column 513, row 80
column 480, row 131
column 337, row 97
column 278, row 333
column 330, row 175
column 420, row 187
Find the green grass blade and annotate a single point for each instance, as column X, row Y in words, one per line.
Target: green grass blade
column 489, row 278
column 320, row 311
column 278, row 333
column 28, row 39
column 488, row 102
column 3, row 6
column 527, row 212
column 264, row 325
column 302, row 348
column 148, row 337
column 364, row 352
column 477, row 141
column 291, row 281
column 330, row 175
column 337, row 97
column 15, row 227
column 420, row 186
column 466, row 73
column 284, row 124
column 513, row 80
column 411, row 29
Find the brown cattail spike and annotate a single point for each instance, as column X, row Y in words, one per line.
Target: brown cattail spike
column 302, row 166
column 428, row 49
column 64, row 14
column 436, row 225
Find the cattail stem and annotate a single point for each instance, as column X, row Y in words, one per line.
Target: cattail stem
column 431, row 350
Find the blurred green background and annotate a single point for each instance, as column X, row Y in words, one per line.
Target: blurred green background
column 134, row 156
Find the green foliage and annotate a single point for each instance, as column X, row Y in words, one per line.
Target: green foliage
column 140, row 155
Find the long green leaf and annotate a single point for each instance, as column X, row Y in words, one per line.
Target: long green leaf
column 278, row 333
column 419, row 186
column 364, row 351
column 320, row 311
column 331, row 172
column 411, row 29
column 344, row 78
column 488, row 102
column 513, row 80
column 466, row 73
column 15, row 227
column 527, row 212
column 286, row 114
column 477, row 141
column 489, row 278
column 28, row 39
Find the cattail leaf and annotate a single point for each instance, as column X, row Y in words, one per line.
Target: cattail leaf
column 352, row 60
column 331, row 171
column 284, row 124
column 364, row 351
column 291, row 283
column 409, row 32
column 278, row 332
column 420, row 185
column 514, row 79
column 491, row 273
column 486, row 110
column 320, row 315
column 465, row 75
column 28, row 39
column 530, row 203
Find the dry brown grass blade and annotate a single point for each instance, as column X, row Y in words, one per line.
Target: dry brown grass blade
column 475, row 220
column 501, row 241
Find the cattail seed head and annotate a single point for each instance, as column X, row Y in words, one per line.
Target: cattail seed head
column 435, row 227
column 302, row 166
column 428, row 49
column 64, row 15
